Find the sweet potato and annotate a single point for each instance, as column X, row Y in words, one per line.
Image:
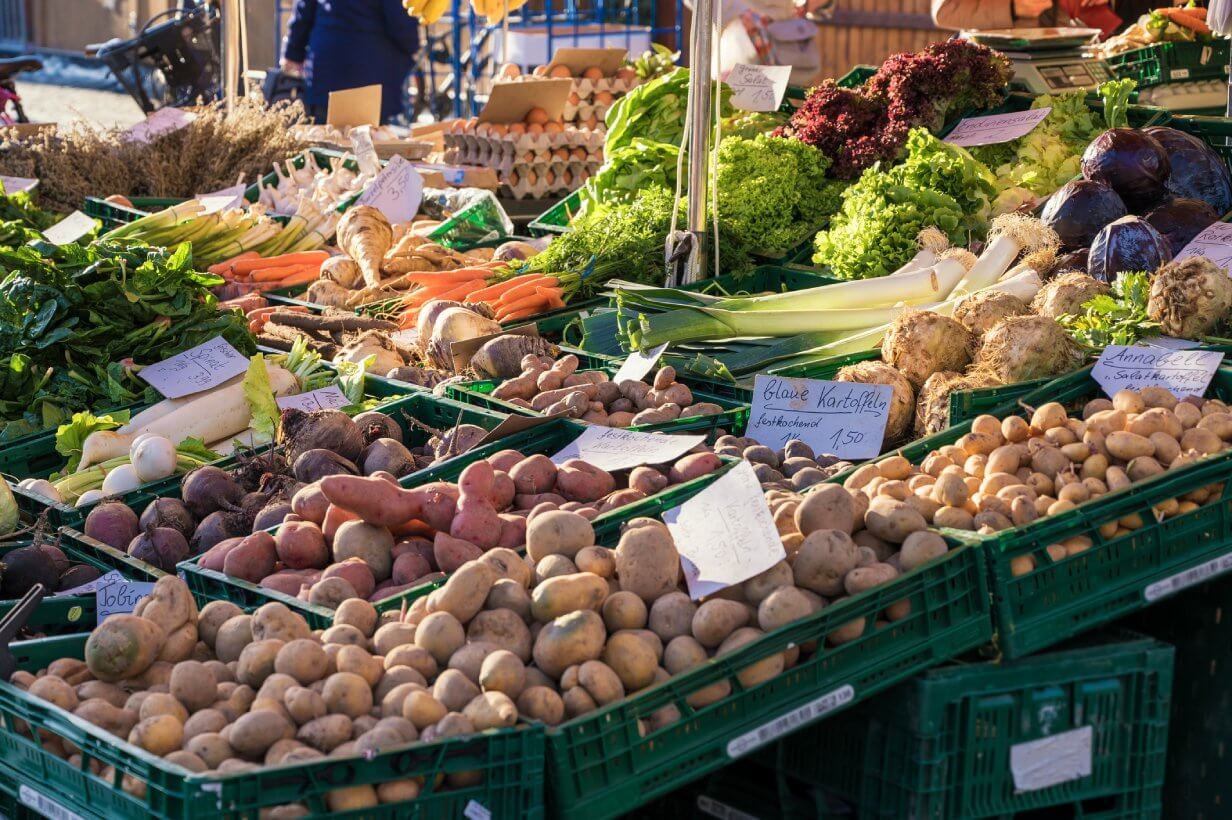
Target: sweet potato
column 450, row 552
column 289, row 581
column 301, row 545
column 694, row 465
column 215, row 556
column 383, row 504
column 408, row 567
column 335, row 517
column 356, row 572
column 533, row 475
column 578, row 480
column 513, row 530
column 505, row 460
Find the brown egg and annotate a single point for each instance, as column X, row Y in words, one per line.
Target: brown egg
column 531, row 177
column 510, row 70
column 514, row 179
column 626, row 73
column 540, row 71
column 566, row 178
column 497, row 129
column 516, row 129
column 578, row 154
column 592, row 73
column 561, row 154
column 560, row 71
column 549, row 178
column 590, row 123
column 574, row 99
column 534, row 128
column 553, row 127
column 528, row 157
column 536, row 116
column 603, row 98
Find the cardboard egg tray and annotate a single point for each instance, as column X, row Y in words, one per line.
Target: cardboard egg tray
column 470, row 149
column 551, row 179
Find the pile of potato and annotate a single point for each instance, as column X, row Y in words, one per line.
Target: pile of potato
column 794, row 466
column 222, row 691
column 1009, row 472
column 366, row 537
column 551, row 387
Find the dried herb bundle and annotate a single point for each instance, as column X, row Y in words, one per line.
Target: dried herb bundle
column 215, row 151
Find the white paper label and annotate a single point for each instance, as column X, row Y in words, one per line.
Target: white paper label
column 365, row 152
column 16, row 185
column 1171, row 343
column 200, row 368
column 326, row 398
column 396, row 191
column 1039, row 764
column 716, row 808
column 98, row 583
column 1214, row 243
column 476, row 811
column 44, row 805
column 231, row 197
column 1187, row 578
column 610, row 448
column 747, row 742
column 846, row 419
column 996, row 128
column 1184, row 372
column 71, row 228
column 120, row 597
column 162, row 121
column 638, row 364
column 725, row 534
column 758, row 87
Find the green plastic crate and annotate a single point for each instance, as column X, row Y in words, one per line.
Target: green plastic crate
column 1164, row 63
column 610, row 761
column 735, row 412
column 744, row 791
column 64, row 515
column 113, row 215
column 547, row 439
column 946, row 744
column 511, row 761
column 59, row 614
column 1059, row 599
column 555, row 220
column 1198, row 784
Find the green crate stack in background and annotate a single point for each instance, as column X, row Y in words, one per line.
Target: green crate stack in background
column 1082, row 730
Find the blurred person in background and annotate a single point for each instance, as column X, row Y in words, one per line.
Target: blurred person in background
column 1109, row 16
column 341, row 44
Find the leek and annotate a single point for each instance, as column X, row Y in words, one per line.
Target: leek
column 1010, row 235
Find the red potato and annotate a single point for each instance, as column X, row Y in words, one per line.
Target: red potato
column 355, row 572
column 310, row 504
column 534, row 475
column 412, row 529
column 213, row 557
column 647, row 480
column 451, row 553
column 417, row 545
column 546, row 506
column 290, row 581
column 578, row 480
column 503, row 490
column 252, row 559
column 388, row 590
column 530, row 502
column 513, row 530
column 408, row 567
column 301, row 545
column 476, row 519
column 335, row 517
column 620, row 498
column 694, row 465
column 505, row 460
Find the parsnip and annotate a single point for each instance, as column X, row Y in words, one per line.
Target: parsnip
column 212, row 416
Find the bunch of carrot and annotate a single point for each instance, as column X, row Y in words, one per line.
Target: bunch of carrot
column 511, row 299
column 272, row 272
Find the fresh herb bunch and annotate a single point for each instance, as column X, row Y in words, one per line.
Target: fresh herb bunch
column 858, row 127
column 74, row 322
column 654, row 111
column 773, row 192
column 937, row 185
column 626, row 240
column 1118, row 318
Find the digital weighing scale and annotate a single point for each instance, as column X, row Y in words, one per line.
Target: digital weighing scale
column 1056, row 60
column 1047, row 60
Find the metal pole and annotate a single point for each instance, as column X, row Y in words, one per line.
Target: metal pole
column 699, row 136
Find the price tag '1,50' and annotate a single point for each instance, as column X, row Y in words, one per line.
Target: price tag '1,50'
column 846, row 419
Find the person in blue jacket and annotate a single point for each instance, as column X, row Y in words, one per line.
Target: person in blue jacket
column 340, row 44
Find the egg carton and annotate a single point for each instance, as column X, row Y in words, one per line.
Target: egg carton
column 519, row 177
column 586, row 88
column 472, row 150
column 581, row 112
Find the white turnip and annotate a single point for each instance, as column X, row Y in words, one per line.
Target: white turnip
column 121, row 480
column 153, row 458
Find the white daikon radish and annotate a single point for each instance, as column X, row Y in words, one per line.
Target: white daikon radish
column 153, row 457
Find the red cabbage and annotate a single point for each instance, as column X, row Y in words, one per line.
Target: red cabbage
column 1180, row 220
column 1129, row 244
column 1132, row 163
column 1079, row 209
column 1198, row 172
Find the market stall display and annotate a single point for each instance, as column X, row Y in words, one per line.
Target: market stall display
column 336, row 495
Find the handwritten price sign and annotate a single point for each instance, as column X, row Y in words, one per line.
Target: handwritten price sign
column 1184, row 372
column 610, row 448
column 758, row 87
column 326, row 398
column 997, row 128
column 396, row 191
column 200, row 368
column 846, row 419
column 1214, row 243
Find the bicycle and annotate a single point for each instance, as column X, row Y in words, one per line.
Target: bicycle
column 11, row 111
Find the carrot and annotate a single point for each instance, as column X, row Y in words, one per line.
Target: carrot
column 534, row 300
column 246, row 266
column 226, row 264
column 461, row 290
column 1182, row 18
column 520, row 314
column 492, row 291
column 431, row 278
column 553, row 296
column 305, row 276
column 277, row 274
column 522, row 290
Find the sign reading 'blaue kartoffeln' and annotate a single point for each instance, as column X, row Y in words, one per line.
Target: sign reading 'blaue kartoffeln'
column 846, row 419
